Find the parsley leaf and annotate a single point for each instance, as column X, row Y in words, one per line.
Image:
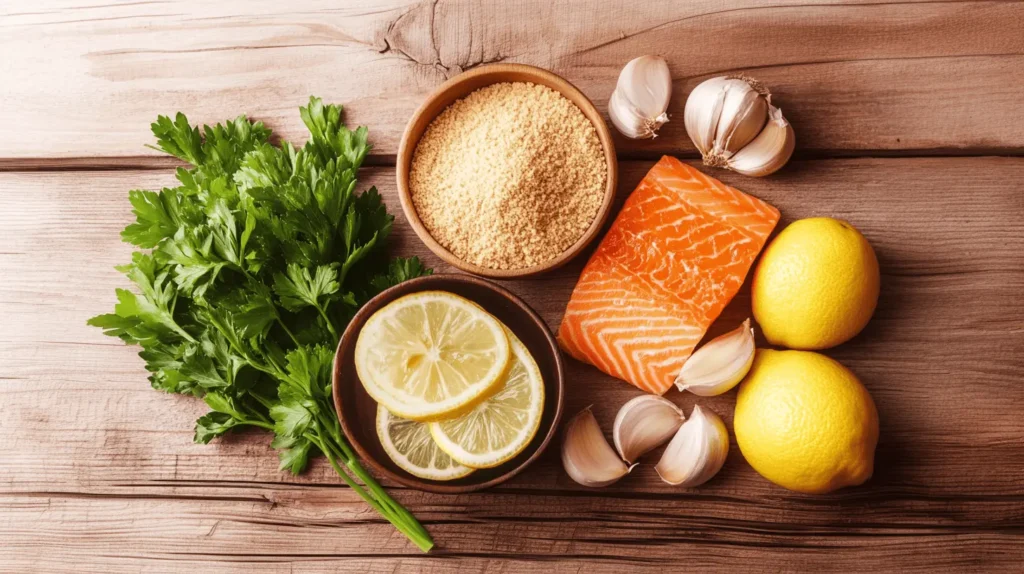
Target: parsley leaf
column 179, row 138
column 212, row 425
column 297, row 288
column 156, row 217
column 293, row 452
column 399, row 270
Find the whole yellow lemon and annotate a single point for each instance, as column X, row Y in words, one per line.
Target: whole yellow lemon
column 805, row 422
column 816, row 285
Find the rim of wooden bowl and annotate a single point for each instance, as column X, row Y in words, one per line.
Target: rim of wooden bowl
column 459, row 87
column 554, row 389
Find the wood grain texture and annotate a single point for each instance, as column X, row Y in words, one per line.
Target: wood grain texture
column 100, row 472
column 83, row 82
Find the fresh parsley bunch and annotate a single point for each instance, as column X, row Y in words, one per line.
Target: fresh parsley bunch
column 257, row 261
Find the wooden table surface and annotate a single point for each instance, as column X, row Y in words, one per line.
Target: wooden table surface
column 910, row 124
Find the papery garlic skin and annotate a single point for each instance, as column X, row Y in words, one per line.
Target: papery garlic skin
column 720, row 364
column 701, row 113
column 638, row 105
column 769, row 151
column 744, row 113
column 724, row 114
column 587, row 456
column 730, row 116
column 644, row 423
column 697, row 452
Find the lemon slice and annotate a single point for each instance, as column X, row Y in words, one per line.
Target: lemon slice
column 500, row 427
column 431, row 355
column 409, row 445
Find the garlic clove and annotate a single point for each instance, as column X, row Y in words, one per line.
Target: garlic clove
column 744, row 113
column 644, row 423
column 647, row 83
column 769, row 151
column 627, row 119
column 639, row 103
column 702, row 111
column 587, row 456
column 697, row 452
column 720, row 364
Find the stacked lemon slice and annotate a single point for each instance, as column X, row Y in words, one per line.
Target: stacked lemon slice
column 456, row 390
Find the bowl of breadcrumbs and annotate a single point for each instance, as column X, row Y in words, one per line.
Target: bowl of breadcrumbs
column 507, row 171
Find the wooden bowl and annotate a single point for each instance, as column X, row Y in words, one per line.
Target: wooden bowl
column 459, row 87
column 358, row 411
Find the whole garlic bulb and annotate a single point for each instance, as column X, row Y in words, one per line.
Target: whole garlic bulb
column 732, row 122
column 639, row 103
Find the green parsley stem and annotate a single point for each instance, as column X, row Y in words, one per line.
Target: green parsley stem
column 352, row 462
column 169, row 320
column 262, row 399
column 345, row 477
column 418, row 536
column 330, row 324
column 286, row 329
column 256, row 423
column 343, row 452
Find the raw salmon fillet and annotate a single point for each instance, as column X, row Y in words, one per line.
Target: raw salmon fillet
column 673, row 259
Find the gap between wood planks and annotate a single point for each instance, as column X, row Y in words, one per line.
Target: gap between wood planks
column 140, row 163
column 877, row 495
column 220, row 508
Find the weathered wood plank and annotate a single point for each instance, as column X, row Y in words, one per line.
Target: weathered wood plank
column 83, row 82
column 100, row 470
column 46, row 533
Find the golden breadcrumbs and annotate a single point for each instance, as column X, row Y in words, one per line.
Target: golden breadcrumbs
column 508, row 177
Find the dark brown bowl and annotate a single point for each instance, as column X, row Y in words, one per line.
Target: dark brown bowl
column 358, row 411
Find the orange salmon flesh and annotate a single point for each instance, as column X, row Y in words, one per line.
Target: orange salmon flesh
column 673, row 259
